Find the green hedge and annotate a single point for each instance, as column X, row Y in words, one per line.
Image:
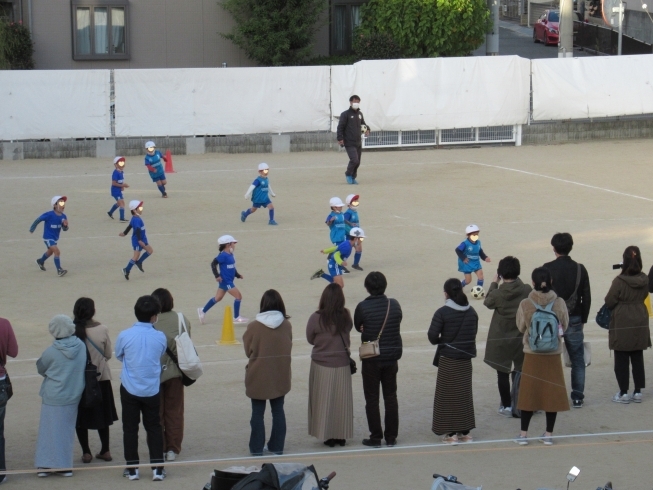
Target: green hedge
column 16, row 46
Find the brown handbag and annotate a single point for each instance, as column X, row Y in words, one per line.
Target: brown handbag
column 371, row 348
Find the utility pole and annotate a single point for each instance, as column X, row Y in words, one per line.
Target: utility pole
column 492, row 37
column 620, row 10
column 566, row 29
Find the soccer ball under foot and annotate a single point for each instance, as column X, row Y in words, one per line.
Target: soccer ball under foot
column 478, row 292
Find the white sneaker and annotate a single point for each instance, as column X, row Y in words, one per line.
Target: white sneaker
column 625, row 399
column 521, row 440
column 158, row 474
column 241, row 319
column 43, row 473
column 200, row 313
column 636, row 398
column 505, row 411
column 170, row 456
column 132, row 474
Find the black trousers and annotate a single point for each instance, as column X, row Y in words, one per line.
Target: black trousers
column 383, row 374
column 622, row 361
column 526, row 420
column 503, row 382
column 354, row 154
column 132, row 407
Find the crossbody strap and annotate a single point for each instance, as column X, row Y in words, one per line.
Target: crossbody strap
column 343, row 343
column 182, row 323
column 93, row 344
column 384, row 321
column 577, row 281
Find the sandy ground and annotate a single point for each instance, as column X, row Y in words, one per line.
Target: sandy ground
column 414, row 207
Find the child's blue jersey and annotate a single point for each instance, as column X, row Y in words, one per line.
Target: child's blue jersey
column 155, row 161
column 261, row 191
column 471, row 251
column 119, row 177
column 137, row 224
column 352, row 217
column 52, row 224
column 227, row 263
column 344, row 248
column 337, row 227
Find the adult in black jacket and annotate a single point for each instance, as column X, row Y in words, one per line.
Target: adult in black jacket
column 349, row 135
column 565, row 276
column 369, row 319
column 453, row 329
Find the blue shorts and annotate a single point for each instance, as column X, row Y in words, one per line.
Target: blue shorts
column 117, row 197
column 158, row 176
column 471, row 266
column 261, row 204
column 334, row 268
column 137, row 247
column 226, row 286
column 50, row 243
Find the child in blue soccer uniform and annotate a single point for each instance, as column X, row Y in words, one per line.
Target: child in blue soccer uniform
column 352, row 221
column 260, row 191
column 337, row 257
column 153, row 159
column 224, row 270
column 53, row 222
column 470, row 253
column 336, row 223
column 117, row 186
column 139, row 238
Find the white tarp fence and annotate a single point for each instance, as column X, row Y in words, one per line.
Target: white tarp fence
column 200, row 101
column 54, row 104
column 435, row 93
column 601, row 86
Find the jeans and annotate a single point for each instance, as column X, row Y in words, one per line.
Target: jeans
column 354, row 154
column 132, row 406
column 622, row 360
column 278, row 434
column 375, row 373
column 574, row 338
column 3, row 410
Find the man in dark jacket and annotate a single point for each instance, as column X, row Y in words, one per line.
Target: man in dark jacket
column 349, row 135
column 374, row 313
column 571, row 283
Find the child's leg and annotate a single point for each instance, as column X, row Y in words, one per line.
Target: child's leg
column 161, row 184
column 271, row 211
column 148, row 251
column 48, row 253
column 359, row 252
column 218, row 296
column 121, row 205
column 57, row 253
column 237, row 299
column 133, row 260
column 479, row 278
column 467, row 279
column 327, row 277
column 113, row 209
column 339, row 281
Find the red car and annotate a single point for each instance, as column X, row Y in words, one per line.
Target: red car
column 547, row 27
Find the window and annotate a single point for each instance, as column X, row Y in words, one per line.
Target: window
column 100, row 29
column 346, row 17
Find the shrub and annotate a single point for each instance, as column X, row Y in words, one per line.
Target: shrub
column 375, row 46
column 344, row 59
column 16, row 47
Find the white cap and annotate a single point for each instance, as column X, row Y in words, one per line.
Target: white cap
column 357, row 232
column 56, row 199
column 335, row 202
column 263, row 166
column 150, row 144
column 351, row 197
column 224, row 239
column 134, row 204
column 117, row 159
column 471, row 229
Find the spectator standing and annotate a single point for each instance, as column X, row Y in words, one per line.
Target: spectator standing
column 268, row 344
column 349, row 134
column 374, row 313
column 8, row 347
column 140, row 348
column 330, row 398
column 98, row 343
column 629, row 333
column 453, row 329
column 571, row 283
column 504, row 351
column 172, row 388
column 62, row 367
column 542, row 385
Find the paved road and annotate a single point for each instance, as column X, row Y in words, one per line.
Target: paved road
column 516, row 39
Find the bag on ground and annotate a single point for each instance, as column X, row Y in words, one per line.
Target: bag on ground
column 543, row 331
column 514, row 394
column 187, row 359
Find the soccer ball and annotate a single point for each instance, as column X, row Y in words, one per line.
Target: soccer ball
column 478, row 292
column 363, row 129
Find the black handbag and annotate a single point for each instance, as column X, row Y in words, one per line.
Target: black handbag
column 603, row 317
column 185, row 380
column 9, row 389
column 352, row 364
column 92, row 395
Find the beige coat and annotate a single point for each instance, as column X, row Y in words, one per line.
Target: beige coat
column 525, row 313
column 169, row 324
column 99, row 335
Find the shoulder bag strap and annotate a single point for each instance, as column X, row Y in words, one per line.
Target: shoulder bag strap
column 182, row 323
column 343, row 343
column 93, row 344
column 384, row 321
column 577, row 280
column 172, row 356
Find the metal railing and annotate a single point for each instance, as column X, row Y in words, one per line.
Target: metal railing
column 443, row 137
column 603, row 40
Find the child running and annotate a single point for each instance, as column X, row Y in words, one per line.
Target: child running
column 470, row 253
column 117, row 186
column 139, row 238
column 225, row 275
column 53, row 222
column 260, row 191
column 352, row 221
column 153, row 163
column 336, row 221
column 337, row 256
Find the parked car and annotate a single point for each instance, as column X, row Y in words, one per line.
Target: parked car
column 547, row 27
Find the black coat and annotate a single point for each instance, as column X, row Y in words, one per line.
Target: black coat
column 368, row 319
column 349, row 127
column 563, row 272
column 454, row 332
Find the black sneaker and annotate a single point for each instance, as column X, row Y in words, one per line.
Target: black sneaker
column 61, row 272
column 344, row 270
column 578, row 403
column 140, row 266
column 39, row 262
column 125, row 273
column 357, row 267
column 372, row 442
column 165, row 194
column 124, row 220
column 317, row 274
column 391, row 442
column 110, row 215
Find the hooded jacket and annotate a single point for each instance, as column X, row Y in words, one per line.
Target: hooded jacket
column 629, row 327
column 504, row 340
column 453, row 329
column 62, row 365
column 268, row 345
column 525, row 313
column 330, row 348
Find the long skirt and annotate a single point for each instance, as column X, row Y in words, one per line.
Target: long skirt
column 330, row 403
column 542, row 385
column 54, row 446
column 103, row 415
column 453, row 406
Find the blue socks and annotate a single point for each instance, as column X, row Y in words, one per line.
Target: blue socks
column 209, row 305
column 327, row 277
column 357, row 257
column 113, row 209
column 162, row 189
column 247, row 212
column 45, row 257
column 130, row 265
column 143, row 257
column 463, row 283
column 271, row 214
column 122, row 213
column 236, row 308
column 480, row 282
column 57, row 263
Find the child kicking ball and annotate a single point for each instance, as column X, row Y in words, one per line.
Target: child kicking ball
column 470, row 253
column 260, row 191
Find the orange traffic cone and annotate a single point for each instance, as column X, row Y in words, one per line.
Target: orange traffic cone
column 228, row 335
column 169, row 168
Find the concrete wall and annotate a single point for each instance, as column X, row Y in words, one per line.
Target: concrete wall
column 570, row 132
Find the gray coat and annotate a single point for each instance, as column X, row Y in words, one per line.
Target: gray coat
column 504, row 340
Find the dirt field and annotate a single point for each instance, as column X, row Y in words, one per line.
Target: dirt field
column 414, row 208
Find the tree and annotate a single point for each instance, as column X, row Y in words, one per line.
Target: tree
column 16, row 46
column 275, row 32
column 427, row 28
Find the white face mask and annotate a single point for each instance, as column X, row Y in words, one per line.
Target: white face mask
column 156, row 320
column 355, row 105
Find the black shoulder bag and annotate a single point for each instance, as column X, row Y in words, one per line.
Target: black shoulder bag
column 573, row 299
column 92, row 395
column 352, row 363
